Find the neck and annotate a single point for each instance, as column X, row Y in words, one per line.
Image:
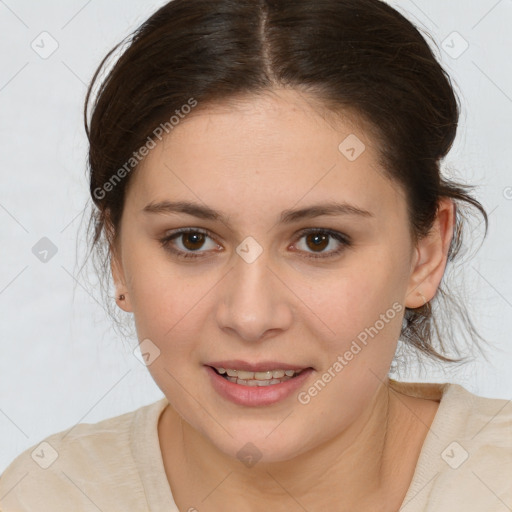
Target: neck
column 354, row 465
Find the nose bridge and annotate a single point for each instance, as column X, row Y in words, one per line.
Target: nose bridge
column 253, row 301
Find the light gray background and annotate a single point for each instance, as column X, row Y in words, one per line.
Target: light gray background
column 61, row 362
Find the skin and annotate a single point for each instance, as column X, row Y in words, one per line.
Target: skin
column 355, row 445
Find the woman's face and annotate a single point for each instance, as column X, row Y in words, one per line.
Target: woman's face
column 250, row 289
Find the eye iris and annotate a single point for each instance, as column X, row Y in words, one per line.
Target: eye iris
column 196, row 238
column 320, row 241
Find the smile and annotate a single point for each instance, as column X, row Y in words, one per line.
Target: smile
column 252, row 388
column 266, row 378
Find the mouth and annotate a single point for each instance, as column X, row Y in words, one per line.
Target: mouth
column 260, row 378
column 260, row 384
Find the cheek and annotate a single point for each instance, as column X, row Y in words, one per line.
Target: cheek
column 358, row 297
column 364, row 310
column 169, row 301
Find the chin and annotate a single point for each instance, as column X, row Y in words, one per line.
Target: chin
column 253, row 447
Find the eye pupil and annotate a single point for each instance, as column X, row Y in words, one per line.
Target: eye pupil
column 320, row 241
column 197, row 240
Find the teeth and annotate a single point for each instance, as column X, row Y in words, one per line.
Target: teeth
column 258, row 378
column 268, row 375
column 259, row 383
column 262, row 375
column 244, row 375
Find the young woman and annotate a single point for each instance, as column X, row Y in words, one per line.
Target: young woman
column 266, row 180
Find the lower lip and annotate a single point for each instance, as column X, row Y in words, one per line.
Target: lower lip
column 256, row 395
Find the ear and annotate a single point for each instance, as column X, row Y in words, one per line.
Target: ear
column 116, row 267
column 431, row 256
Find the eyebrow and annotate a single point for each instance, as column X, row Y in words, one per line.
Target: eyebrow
column 287, row 216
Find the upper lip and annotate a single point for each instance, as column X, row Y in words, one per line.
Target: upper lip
column 238, row 364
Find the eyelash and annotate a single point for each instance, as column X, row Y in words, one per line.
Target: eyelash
column 340, row 237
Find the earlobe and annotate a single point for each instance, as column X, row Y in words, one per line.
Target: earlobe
column 122, row 297
column 431, row 257
column 123, row 302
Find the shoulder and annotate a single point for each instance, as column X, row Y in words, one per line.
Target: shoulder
column 71, row 470
column 477, row 458
column 481, row 421
column 466, row 461
column 462, row 412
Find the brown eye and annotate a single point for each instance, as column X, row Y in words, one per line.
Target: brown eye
column 193, row 241
column 189, row 243
column 317, row 241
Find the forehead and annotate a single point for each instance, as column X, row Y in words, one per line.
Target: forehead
column 281, row 145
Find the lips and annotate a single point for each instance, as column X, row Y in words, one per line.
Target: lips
column 262, row 366
column 253, row 393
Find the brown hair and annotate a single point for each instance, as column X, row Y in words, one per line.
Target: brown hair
column 362, row 56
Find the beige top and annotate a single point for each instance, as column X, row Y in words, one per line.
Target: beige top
column 116, row 464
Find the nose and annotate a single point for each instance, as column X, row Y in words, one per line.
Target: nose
column 254, row 303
